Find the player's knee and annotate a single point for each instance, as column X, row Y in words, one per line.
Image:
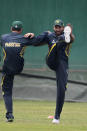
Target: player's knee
column 51, row 63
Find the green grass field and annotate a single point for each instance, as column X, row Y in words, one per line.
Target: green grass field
column 33, row 116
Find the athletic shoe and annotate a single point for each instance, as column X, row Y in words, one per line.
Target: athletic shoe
column 67, row 32
column 55, row 121
column 9, row 117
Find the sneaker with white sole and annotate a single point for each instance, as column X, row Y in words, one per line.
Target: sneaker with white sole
column 55, row 121
column 9, row 117
column 67, row 32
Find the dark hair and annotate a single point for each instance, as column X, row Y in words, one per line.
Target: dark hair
column 16, row 29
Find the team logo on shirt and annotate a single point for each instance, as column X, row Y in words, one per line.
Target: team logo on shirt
column 53, row 41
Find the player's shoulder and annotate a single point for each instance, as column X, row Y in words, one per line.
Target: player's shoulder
column 4, row 36
column 48, row 33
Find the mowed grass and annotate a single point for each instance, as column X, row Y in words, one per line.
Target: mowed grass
column 33, row 116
